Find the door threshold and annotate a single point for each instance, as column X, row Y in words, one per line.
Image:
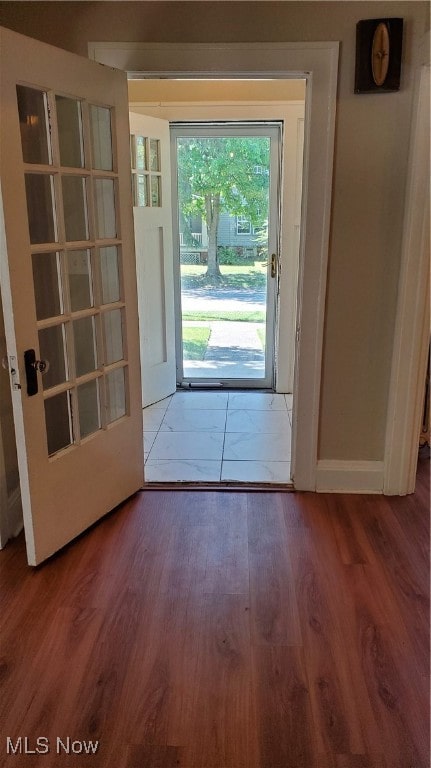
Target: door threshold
column 222, row 485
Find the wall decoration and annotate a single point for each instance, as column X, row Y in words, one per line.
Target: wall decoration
column 378, row 55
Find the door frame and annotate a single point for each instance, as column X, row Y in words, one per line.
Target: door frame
column 273, row 130
column 412, row 328
column 290, row 113
column 317, row 63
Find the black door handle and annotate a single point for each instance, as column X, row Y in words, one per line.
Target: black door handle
column 31, row 372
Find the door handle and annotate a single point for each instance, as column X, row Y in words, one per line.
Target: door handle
column 32, row 366
column 274, row 263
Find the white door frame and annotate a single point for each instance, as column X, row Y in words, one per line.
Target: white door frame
column 318, row 64
column 412, row 330
column 235, row 128
column 291, row 115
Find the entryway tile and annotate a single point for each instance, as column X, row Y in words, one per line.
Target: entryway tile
column 153, row 418
column 187, row 445
column 182, row 470
column 257, row 421
column 256, row 401
column 149, row 438
column 254, row 447
column 188, row 420
column 256, row 471
column 163, row 404
column 200, row 400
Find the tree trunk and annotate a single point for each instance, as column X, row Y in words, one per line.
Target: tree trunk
column 212, row 206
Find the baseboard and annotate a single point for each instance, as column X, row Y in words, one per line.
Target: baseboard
column 349, row 476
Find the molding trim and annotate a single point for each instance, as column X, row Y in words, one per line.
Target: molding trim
column 349, row 476
column 317, row 62
column 412, row 329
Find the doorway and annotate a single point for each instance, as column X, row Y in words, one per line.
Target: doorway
column 232, row 435
column 226, row 243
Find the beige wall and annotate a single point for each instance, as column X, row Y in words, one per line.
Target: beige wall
column 372, row 138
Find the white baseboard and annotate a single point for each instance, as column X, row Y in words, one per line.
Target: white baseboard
column 349, row 476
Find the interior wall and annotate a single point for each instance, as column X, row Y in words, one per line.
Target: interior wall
column 371, row 153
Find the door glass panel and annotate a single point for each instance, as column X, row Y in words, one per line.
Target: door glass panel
column 33, row 123
column 224, row 256
column 115, row 395
column 109, row 271
column 105, row 208
column 46, row 280
column 154, row 155
column 141, row 153
column 69, row 122
column 100, row 119
column 40, row 207
column 75, row 208
column 80, row 280
column 58, row 422
column 52, row 349
column 85, row 345
column 112, row 324
column 155, row 191
column 141, row 189
column 89, row 407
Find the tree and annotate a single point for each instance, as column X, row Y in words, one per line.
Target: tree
column 220, row 174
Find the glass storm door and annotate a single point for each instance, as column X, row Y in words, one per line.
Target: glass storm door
column 69, row 289
column 227, row 246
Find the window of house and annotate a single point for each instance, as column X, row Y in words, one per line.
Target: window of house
column 243, row 225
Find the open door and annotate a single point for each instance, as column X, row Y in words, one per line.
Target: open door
column 152, row 213
column 69, row 288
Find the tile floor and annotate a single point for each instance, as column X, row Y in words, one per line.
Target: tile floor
column 218, row 436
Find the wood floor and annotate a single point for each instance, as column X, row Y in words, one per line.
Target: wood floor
column 225, row 630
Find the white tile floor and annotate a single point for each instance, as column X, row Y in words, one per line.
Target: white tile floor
column 218, row 436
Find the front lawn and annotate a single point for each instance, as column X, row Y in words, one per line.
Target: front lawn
column 246, row 317
column 252, row 277
column 261, row 332
column 195, row 341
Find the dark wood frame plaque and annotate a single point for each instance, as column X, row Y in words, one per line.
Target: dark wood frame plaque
column 367, row 31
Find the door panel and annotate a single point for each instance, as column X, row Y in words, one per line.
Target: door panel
column 69, row 288
column 154, row 254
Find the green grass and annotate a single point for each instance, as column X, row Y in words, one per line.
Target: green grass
column 248, row 277
column 195, row 342
column 261, row 333
column 244, row 317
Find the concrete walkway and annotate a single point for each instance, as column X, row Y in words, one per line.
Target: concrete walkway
column 234, row 352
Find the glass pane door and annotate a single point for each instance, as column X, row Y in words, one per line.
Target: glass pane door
column 227, row 182
column 71, row 193
column 68, row 286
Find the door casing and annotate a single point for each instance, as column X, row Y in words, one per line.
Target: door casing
column 317, row 63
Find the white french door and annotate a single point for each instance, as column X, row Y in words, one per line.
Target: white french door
column 68, row 288
column 152, row 215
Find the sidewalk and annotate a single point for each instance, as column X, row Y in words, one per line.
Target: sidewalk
column 234, row 352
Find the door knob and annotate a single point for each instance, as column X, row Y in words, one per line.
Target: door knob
column 32, row 366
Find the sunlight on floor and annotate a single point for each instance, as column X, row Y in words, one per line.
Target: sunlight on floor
column 218, row 436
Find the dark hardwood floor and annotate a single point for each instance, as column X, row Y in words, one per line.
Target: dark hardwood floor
column 214, row 629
